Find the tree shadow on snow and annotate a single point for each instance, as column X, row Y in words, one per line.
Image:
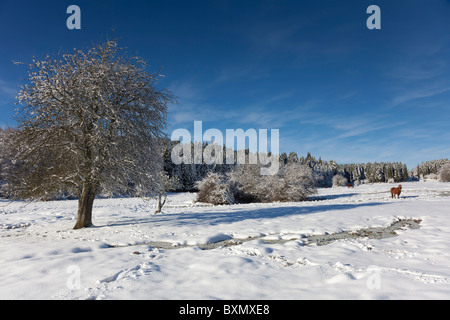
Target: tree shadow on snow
column 333, row 196
column 408, row 197
column 231, row 214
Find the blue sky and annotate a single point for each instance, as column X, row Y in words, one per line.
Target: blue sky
column 309, row 68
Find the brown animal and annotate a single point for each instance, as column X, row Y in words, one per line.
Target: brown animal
column 350, row 186
column 396, row 191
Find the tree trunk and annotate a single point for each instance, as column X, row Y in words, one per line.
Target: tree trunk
column 85, row 204
column 160, row 205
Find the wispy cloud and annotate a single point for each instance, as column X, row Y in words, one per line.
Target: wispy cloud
column 8, row 89
column 419, row 91
column 347, row 126
column 233, row 73
column 421, row 73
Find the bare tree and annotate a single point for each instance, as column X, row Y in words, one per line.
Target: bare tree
column 89, row 121
column 165, row 183
column 5, row 161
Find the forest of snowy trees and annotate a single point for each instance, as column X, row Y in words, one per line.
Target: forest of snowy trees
column 189, row 174
column 186, row 177
column 436, row 169
column 355, row 173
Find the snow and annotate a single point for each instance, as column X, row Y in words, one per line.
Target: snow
column 43, row 258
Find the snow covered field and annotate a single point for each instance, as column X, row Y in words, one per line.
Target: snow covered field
column 41, row 257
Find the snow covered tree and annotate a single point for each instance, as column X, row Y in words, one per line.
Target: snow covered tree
column 165, row 183
column 251, row 185
column 431, row 176
column 5, row 163
column 425, row 168
column 293, row 182
column 283, row 158
column 405, row 172
column 292, row 158
column 2, row 157
column 339, row 181
column 216, row 189
column 89, row 121
column 444, row 173
column 300, row 182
